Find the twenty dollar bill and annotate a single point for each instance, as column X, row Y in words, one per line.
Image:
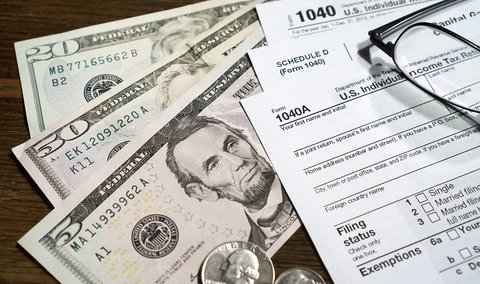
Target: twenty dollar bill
column 62, row 72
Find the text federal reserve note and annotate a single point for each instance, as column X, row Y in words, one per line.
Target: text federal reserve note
column 61, row 158
column 62, row 72
column 194, row 179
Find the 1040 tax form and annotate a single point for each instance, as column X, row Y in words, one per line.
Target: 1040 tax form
column 387, row 184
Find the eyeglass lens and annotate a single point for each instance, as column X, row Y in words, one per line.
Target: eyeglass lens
column 440, row 63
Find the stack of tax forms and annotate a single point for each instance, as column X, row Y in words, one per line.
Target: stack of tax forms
column 384, row 177
column 141, row 141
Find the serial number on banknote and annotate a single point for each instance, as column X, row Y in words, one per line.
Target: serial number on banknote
column 99, row 60
column 81, row 128
column 73, row 230
column 112, row 128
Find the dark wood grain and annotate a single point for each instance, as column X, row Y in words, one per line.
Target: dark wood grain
column 21, row 204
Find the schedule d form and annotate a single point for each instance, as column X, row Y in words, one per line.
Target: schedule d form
column 385, row 178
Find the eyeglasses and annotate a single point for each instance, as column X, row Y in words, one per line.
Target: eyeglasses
column 435, row 59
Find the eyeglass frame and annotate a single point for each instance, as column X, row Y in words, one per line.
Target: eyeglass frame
column 377, row 38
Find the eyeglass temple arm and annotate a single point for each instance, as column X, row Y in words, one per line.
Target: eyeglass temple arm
column 376, row 35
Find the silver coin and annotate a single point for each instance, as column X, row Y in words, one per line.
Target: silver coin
column 299, row 275
column 237, row 262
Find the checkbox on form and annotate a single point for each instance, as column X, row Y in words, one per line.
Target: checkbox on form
column 452, row 234
column 427, row 207
column 465, row 253
column 433, row 217
column 421, row 197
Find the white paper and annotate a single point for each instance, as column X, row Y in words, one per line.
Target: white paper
column 287, row 63
column 293, row 65
column 384, row 177
column 392, row 164
column 284, row 21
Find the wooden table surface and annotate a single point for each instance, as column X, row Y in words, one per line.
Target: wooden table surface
column 21, row 204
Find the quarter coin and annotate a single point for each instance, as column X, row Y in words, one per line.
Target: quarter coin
column 237, row 262
column 299, row 275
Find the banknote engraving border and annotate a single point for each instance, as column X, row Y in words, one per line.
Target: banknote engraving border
column 69, row 261
column 36, row 98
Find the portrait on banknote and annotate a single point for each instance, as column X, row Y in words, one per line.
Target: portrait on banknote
column 213, row 160
column 178, row 32
column 177, row 79
column 237, row 262
column 241, row 266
